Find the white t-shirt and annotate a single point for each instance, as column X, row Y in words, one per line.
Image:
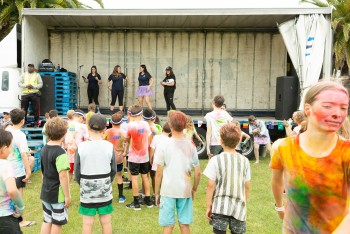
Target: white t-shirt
column 230, row 172
column 178, row 157
column 6, row 172
column 157, row 141
column 217, row 118
column 19, row 145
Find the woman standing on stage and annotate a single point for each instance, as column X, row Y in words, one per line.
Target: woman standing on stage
column 117, row 90
column 169, row 84
column 93, row 80
column 145, row 83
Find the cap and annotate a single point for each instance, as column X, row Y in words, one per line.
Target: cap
column 97, row 122
column 30, row 65
column 168, row 68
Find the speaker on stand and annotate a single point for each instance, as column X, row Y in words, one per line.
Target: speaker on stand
column 47, row 100
column 287, row 96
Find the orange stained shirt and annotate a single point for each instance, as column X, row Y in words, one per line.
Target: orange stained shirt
column 318, row 188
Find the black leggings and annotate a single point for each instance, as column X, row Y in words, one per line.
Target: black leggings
column 169, row 99
column 35, row 100
column 119, row 94
column 93, row 94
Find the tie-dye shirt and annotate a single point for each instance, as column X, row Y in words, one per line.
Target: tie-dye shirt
column 6, row 172
column 139, row 132
column 117, row 137
column 317, row 187
column 217, row 118
column 77, row 133
column 19, row 145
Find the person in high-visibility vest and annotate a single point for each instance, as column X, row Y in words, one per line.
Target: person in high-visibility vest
column 30, row 83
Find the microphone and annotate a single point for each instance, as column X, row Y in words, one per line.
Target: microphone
column 81, row 66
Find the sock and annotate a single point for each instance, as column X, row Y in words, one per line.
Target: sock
column 120, row 189
column 136, row 200
column 147, row 198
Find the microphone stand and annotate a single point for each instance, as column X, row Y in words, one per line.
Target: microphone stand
column 78, row 86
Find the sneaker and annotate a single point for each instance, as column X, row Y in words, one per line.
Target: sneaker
column 122, row 199
column 125, row 180
column 148, row 204
column 125, row 170
column 134, row 206
column 141, row 200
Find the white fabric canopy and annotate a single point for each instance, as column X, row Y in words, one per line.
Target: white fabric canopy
column 305, row 39
column 8, row 48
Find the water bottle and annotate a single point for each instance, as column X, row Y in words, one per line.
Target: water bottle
column 58, row 68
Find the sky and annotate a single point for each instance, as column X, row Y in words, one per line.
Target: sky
column 164, row 4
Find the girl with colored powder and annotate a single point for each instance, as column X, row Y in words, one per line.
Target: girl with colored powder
column 315, row 165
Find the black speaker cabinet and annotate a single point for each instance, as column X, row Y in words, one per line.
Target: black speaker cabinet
column 287, row 96
column 47, row 100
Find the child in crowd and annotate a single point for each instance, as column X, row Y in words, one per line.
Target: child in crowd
column 215, row 119
column 228, row 184
column 5, row 120
column 243, row 135
column 190, row 131
column 19, row 154
column 175, row 159
column 298, row 118
column 157, row 141
column 116, row 136
column 261, row 135
column 55, row 195
column 70, row 116
column 91, row 111
column 12, row 206
column 51, row 114
column 77, row 133
column 137, row 137
column 95, row 169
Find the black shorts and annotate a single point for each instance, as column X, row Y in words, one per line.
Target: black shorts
column 10, row 224
column 137, row 168
column 20, row 183
column 220, row 223
column 119, row 167
column 215, row 149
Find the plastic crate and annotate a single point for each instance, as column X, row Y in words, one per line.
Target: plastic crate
column 65, row 104
column 65, row 74
column 65, row 78
column 65, row 91
column 65, row 100
column 69, row 87
column 33, row 134
column 62, row 109
column 37, row 165
column 65, row 83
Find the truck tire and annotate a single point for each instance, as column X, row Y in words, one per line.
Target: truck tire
column 248, row 148
column 201, row 149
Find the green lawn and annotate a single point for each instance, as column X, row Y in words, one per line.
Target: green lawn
column 261, row 215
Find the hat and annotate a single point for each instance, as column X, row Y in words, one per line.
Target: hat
column 30, row 65
column 97, row 122
column 168, row 68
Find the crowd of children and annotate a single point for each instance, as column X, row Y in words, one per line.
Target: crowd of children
column 94, row 156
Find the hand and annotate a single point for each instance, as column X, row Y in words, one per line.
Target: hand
column 96, row 78
column 208, row 214
column 28, row 174
column 157, row 200
column 285, row 123
column 280, row 214
column 67, row 201
column 148, row 88
column 30, row 86
column 18, row 212
column 83, row 77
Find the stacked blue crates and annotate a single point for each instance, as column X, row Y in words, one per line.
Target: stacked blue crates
column 65, row 91
column 35, row 143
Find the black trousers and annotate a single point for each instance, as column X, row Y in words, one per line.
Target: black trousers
column 119, row 94
column 169, row 99
column 10, row 225
column 34, row 99
column 93, row 94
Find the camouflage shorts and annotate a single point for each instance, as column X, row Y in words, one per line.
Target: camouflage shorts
column 220, row 222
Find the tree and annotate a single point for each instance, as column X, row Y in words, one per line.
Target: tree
column 11, row 10
column 341, row 27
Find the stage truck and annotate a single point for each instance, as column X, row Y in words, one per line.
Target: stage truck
column 235, row 52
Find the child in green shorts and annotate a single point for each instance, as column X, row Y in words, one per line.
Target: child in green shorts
column 94, row 169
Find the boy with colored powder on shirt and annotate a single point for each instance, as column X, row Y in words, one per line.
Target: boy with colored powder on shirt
column 137, row 137
column 55, row 195
column 11, row 204
column 228, row 184
column 116, row 136
column 175, row 159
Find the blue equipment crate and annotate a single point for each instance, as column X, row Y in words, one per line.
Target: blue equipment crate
column 63, row 109
column 65, row 74
column 37, row 165
column 65, row 99
column 65, row 83
column 33, row 134
column 65, row 78
column 65, row 91
column 65, row 104
column 70, row 87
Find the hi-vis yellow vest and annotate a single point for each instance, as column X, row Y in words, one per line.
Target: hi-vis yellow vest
column 30, row 79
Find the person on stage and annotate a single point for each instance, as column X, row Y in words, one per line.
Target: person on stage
column 30, row 83
column 93, row 80
column 145, row 83
column 169, row 83
column 117, row 89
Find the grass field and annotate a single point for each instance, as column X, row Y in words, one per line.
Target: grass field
column 261, row 216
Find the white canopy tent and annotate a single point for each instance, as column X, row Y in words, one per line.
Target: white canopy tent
column 306, row 38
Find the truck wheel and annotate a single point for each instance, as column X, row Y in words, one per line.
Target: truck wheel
column 248, row 148
column 201, row 149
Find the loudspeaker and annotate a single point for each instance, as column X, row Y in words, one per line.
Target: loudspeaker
column 287, row 96
column 47, row 100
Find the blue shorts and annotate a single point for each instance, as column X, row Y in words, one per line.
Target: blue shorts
column 55, row 213
column 167, row 207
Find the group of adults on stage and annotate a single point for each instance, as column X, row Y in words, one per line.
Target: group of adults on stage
column 117, row 82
